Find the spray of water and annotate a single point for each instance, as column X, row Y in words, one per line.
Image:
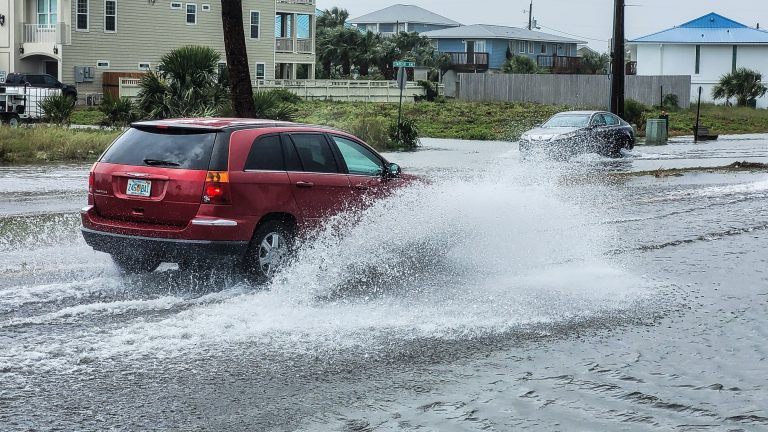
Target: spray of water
column 448, row 258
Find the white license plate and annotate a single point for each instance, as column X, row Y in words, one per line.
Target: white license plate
column 139, row 187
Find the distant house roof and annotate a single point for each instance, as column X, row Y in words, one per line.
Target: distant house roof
column 484, row 31
column 404, row 13
column 709, row 29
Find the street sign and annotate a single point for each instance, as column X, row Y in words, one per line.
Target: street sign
column 404, row 64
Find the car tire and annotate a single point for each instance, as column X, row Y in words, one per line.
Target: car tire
column 135, row 264
column 268, row 251
column 12, row 121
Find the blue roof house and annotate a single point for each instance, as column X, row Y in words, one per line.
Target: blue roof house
column 482, row 47
column 706, row 49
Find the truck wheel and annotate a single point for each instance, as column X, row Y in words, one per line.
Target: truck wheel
column 14, row 121
column 269, row 250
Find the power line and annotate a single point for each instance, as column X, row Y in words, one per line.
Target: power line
column 574, row 35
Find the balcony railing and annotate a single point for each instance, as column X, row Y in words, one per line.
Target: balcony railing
column 473, row 61
column 303, row 2
column 283, row 44
column 559, row 64
column 304, row 45
column 40, row 33
column 287, row 45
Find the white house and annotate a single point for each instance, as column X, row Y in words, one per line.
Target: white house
column 706, row 49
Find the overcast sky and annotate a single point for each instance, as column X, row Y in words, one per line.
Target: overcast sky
column 588, row 20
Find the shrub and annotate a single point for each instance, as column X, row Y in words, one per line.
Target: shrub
column 188, row 85
column 269, row 105
column 118, row 111
column 373, row 130
column 520, row 65
column 287, row 96
column 58, row 108
column 404, row 135
column 430, row 91
column 671, row 101
column 633, row 112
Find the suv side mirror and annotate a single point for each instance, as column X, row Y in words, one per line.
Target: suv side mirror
column 393, row 170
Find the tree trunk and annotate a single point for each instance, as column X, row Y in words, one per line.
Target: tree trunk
column 237, row 58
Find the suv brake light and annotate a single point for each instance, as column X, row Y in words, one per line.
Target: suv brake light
column 216, row 190
column 91, row 181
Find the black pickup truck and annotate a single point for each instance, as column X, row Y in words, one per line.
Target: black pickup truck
column 40, row 81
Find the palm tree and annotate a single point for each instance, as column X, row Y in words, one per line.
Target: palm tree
column 187, row 85
column 330, row 18
column 366, row 52
column 237, row 58
column 743, row 84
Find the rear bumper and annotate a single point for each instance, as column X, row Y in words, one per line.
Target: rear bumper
column 168, row 250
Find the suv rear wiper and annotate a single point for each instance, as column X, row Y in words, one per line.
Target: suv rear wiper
column 158, row 162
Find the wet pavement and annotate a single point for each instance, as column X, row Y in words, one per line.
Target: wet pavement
column 501, row 295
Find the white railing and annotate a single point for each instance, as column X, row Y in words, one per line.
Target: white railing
column 304, row 2
column 40, row 33
column 283, row 44
column 349, row 90
column 129, row 87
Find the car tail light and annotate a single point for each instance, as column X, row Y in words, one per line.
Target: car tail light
column 216, row 190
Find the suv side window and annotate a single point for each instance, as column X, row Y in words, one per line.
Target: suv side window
column 315, row 153
column 35, row 80
column 611, row 120
column 266, row 154
column 359, row 160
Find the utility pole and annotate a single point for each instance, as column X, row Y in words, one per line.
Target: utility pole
column 530, row 16
column 617, row 81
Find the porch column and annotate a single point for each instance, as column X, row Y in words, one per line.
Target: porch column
column 294, row 34
column 293, row 71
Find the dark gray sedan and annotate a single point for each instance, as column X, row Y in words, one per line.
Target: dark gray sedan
column 574, row 132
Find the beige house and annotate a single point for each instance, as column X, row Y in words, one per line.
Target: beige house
column 77, row 41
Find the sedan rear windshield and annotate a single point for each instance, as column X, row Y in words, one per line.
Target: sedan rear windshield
column 167, row 148
column 570, row 120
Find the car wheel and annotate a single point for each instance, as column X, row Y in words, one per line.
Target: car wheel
column 269, row 250
column 135, row 264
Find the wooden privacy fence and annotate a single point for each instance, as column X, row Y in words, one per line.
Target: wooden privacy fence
column 121, row 84
column 575, row 90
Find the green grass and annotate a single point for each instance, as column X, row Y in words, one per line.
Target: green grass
column 52, row 144
column 451, row 119
column 719, row 120
column 370, row 121
column 88, row 116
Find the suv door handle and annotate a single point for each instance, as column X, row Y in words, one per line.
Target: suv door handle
column 302, row 184
column 362, row 187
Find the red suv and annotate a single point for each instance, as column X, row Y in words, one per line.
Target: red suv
column 198, row 190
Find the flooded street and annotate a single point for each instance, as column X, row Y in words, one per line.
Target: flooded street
column 499, row 295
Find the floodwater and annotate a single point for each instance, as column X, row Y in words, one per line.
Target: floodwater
column 500, row 295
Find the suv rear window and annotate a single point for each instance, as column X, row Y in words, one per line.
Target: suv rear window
column 168, row 148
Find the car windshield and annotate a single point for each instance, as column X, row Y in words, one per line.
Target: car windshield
column 567, row 120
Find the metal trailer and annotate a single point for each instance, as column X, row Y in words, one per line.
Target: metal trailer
column 23, row 103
